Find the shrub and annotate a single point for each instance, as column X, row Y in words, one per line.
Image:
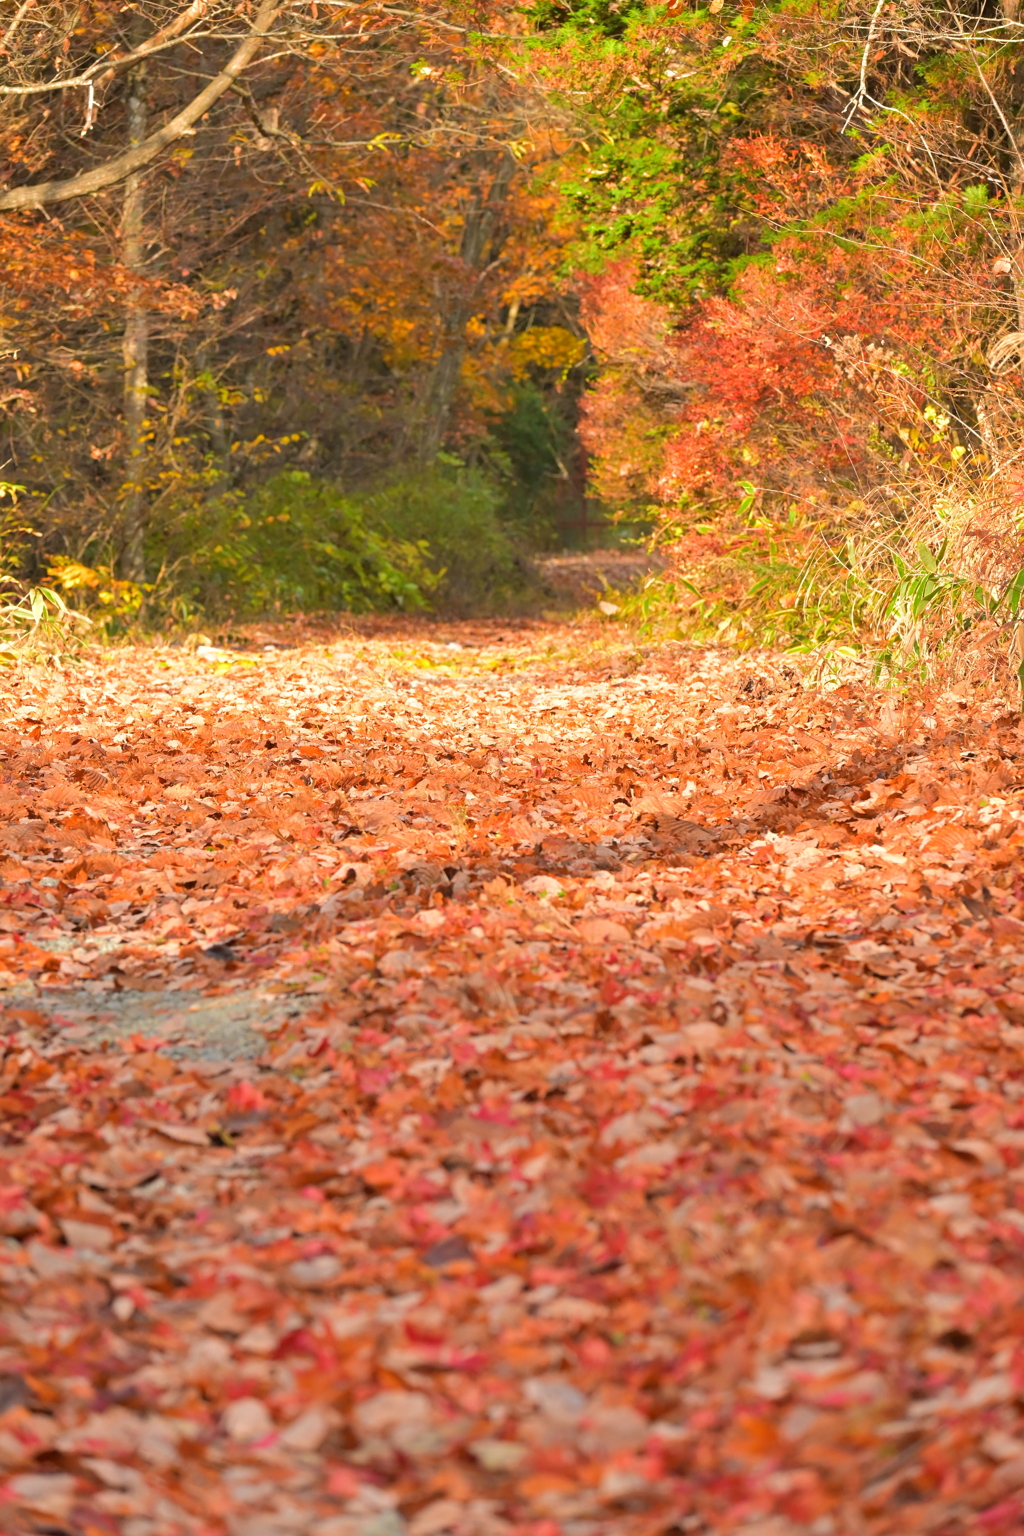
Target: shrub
column 295, row 544
column 455, row 513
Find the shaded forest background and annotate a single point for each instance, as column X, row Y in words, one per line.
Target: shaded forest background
column 357, row 305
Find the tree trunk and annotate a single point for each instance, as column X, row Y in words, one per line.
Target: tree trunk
column 478, row 232
column 216, row 429
column 135, row 345
column 440, row 397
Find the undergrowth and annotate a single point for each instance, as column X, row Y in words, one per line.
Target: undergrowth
column 911, row 591
column 296, row 544
column 35, row 620
column 901, row 589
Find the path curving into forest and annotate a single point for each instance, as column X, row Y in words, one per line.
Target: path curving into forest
column 507, row 1080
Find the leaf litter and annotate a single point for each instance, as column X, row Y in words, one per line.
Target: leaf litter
column 633, row 1138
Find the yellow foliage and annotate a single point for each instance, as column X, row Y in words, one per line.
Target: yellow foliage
column 97, row 585
column 70, row 574
column 545, row 346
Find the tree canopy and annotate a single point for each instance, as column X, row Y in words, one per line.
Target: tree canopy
column 722, row 268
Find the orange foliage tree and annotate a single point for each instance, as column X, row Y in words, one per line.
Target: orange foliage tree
column 800, row 267
column 341, row 257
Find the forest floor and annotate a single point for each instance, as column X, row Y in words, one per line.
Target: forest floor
column 496, row 1080
column 577, row 580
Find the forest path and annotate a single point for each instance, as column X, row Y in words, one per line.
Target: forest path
column 614, row 1123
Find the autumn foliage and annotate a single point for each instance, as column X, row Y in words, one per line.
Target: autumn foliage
column 350, row 264
column 800, row 279
column 499, row 1078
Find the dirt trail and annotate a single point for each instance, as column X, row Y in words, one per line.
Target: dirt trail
column 551, row 1086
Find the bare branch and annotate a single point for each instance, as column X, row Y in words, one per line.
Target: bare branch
column 1011, row 137
column 16, row 20
column 415, row 16
column 861, row 94
column 269, row 129
column 173, row 30
column 104, row 69
column 134, row 159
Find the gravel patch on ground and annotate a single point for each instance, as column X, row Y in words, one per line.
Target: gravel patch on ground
column 584, row 577
column 185, row 1026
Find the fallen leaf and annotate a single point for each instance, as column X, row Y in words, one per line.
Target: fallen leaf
column 246, row 1420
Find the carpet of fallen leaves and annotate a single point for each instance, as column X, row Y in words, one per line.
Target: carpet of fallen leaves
column 647, row 1154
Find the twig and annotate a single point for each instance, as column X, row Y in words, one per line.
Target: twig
column 859, row 97
column 181, row 124
column 16, row 21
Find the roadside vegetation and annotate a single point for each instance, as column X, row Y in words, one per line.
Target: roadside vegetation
column 419, row 304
